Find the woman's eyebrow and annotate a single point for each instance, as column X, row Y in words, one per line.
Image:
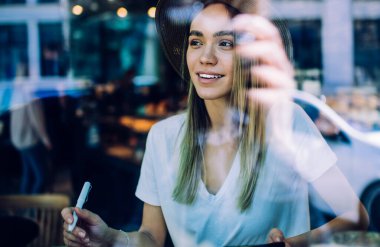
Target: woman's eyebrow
column 217, row 34
column 195, row 33
column 224, row 33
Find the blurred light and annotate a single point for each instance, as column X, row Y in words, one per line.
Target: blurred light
column 152, row 12
column 94, row 6
column 122, row 12
column 77, row 10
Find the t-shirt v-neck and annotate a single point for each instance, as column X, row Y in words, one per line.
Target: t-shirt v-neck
column 280, row 200
column 231, row 177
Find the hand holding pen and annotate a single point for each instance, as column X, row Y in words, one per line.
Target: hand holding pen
column 81, row 200
column 81, row 226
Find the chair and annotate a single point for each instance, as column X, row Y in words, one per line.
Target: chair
column 17, row 231
column 44, row 209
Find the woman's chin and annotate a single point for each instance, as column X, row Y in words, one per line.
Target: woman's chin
column 212, row 96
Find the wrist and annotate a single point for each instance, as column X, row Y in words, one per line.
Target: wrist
column 123, row 239
column 111, row 237
column 117, row 238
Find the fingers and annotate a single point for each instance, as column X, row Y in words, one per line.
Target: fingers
column 270, row 77
column 265, row 45
column 268, row 97
column 78, row 237
column 275, row 235
column 268, row 53
column 67, row 215
column 272, row 70
column 83, row 214
column 274, row 86
column 87, row 216
column 69, row 243
column 261, row 28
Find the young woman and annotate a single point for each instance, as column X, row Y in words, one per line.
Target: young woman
column 233, row 170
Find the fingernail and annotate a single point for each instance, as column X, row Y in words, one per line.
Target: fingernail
column 70, row 220
column 278, row 239
column 87, row 240
column 81, row 234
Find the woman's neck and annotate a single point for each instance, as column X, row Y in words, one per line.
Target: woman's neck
column 222, row 129
column 219, row 114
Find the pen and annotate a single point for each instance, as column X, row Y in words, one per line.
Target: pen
column 81, row 200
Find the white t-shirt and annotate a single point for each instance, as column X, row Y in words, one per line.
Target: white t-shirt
column 281, row 196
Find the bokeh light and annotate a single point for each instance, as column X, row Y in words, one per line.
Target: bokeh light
column 122, row 12
column 77, row 10
column 152, row 12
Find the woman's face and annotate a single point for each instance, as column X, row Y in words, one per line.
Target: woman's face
column 210, row 53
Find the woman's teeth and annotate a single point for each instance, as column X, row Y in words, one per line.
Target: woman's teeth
column 206, row 76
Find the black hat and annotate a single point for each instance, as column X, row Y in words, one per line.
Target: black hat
column 173, row 19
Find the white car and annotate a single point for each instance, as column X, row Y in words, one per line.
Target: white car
column 358, row 156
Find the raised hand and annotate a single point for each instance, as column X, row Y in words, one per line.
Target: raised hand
column 91, row 230
column 260, row 40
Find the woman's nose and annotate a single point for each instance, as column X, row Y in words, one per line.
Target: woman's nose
column 208, row 56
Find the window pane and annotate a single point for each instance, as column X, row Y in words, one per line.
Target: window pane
column 115, row 46
column 48, row 1
column 306, row 38
column 13, row 51
column 367, row 51
column 53, row 58
column 5, row 2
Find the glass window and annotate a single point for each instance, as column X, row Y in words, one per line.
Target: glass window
column 306, row 38
column 5, row 2
column 53, row 57
column 367, row 52
column 85, row 51
column 48, row 1
column 13, row 51
column 307, row 53
column 114, row 47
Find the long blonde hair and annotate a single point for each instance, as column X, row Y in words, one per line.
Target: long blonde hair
column 249, row 119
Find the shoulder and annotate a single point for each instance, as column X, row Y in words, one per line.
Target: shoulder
column 170, row 124
column 290, row 123
column 168, row 128
column 290, row 113
column 287, row 106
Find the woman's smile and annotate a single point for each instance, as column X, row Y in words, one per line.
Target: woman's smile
column 210, row 53
column 208, row 77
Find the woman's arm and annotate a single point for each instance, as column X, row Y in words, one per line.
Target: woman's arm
column 335, row 190
column 153, row 228
column 93, row 231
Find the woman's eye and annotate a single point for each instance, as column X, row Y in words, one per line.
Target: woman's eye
column 195, row 43
column 226, row 44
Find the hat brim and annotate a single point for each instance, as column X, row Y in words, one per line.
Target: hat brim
column 173, row 19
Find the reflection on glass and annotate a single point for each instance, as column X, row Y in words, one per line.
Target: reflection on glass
column 6, row 2
column 349, row 239
column 13, row 50
column 367, row 51
column 48, row 1
column 306, row 36
column 53, row 60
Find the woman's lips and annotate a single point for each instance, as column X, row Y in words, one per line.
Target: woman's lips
column 208, row 77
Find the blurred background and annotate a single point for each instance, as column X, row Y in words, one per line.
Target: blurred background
column 98, row 80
